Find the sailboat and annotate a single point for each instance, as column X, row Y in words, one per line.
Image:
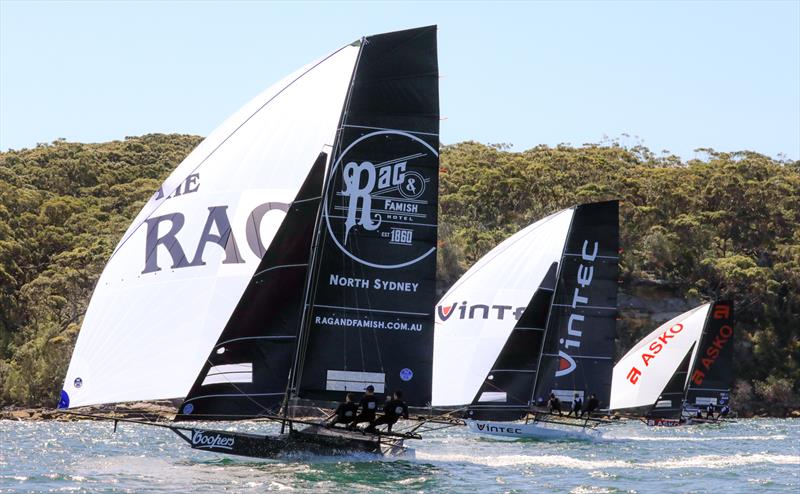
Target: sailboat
column 535, row 316
column 682, row 368
column 289, row 259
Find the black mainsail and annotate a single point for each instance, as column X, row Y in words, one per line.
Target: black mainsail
column 582, row 325
column 369, row 317
column 711, row 378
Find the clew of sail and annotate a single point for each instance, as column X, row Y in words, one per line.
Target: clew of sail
column 640, row 377
column 179, row 271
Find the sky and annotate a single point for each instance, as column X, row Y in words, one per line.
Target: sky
column 673, row 76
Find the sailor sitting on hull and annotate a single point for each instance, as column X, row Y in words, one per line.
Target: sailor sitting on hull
column 392, row 411
column 368, row 406
column 577, row 404
column 554, row 404
column 591, row 405
column 345, row 412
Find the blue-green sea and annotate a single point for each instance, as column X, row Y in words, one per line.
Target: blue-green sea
column 756, row 455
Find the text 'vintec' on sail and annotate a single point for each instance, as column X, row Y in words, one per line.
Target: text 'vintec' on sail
column 211, row 278
column 535, row 315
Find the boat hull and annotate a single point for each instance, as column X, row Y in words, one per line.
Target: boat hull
column 531, row 430
column 312, row 440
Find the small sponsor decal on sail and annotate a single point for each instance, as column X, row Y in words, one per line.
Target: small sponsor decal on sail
column 340, row 380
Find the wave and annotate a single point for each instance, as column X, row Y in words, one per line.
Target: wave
column 778, row 437
column 550, row 461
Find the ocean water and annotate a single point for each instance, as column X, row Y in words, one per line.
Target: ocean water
column 757, row 455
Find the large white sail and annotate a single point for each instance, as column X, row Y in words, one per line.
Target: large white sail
column 643, row 373
column 179, row 270
column 476, row 316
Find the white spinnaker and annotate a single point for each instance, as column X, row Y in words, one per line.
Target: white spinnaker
column 675, row 339
column 465, row 349
column 147, row 332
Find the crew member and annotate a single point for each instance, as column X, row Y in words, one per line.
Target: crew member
column 392, row 411
column 710, row 411
column 591, row 405
column 368, row 406
column 345, row 412
column 577, row 404
column 554, row 404
column 724, row 411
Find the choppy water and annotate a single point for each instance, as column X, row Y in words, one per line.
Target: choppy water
column 748, row 456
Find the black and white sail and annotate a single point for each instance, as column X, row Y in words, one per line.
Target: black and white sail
column 369, row 318
column 535, row 315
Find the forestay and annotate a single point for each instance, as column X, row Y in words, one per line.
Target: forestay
column 644, row 372
column 178, row 272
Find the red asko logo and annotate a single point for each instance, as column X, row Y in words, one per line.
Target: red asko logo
column 655, row 347
column 713, row 351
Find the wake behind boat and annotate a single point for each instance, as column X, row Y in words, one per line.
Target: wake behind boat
column 337, row 297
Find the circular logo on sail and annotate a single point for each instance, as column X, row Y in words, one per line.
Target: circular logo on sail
column 380, row 203
column 406, row 374
column 78, row 382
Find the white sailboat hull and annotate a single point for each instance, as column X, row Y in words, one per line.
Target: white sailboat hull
column 532, row 430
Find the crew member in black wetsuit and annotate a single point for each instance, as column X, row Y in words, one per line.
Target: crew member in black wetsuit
column 710, row 411
column 554, row 404
column 392, row 411
column 345, row 412
column 368, row 406
column 577, row 404
column 591, row 405
column 724, row 412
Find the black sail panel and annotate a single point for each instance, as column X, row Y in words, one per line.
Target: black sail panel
column 670, row 403
column 579, row 345
column 370, row 319
column 711, row 377
column 246, row 373
column 506, row 392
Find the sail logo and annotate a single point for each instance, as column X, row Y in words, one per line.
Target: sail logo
column 584, row 275
column 483, row 427
column 202, row 440
column 478, row 311
column 656, row 346
column 383, row 186
column 712, row 353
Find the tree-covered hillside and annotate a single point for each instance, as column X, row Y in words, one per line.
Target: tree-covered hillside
column 725, row 226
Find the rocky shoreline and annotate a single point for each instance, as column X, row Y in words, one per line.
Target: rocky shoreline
column 165, row 411
column 162, row 410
